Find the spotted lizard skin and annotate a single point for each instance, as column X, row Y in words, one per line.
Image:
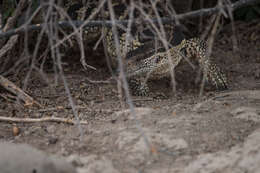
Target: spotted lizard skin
column 160, row 63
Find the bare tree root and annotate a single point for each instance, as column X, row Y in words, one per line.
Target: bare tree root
column 34, row 120
column 11, row 87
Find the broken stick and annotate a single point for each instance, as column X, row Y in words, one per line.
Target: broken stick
column 11, row 87
column 35, row 120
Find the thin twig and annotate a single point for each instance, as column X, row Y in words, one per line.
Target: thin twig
column 209, row 49
column 87, row 108
column 99, row 81
column 34, row 120
column 12, row 88
column 124, row 81
column 234, row 39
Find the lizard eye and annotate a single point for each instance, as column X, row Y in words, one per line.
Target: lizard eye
column 183, row 51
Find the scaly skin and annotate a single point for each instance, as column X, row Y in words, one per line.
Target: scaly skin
column 158, row 66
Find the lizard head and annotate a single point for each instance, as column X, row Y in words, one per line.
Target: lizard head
column 194, row 48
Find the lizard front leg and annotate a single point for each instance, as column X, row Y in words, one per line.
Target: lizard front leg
column 138, row 87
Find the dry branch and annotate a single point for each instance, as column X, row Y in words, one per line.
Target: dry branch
column 8, row 46
column 109, row 23
column 34, row 120
column 12, row 20
column 11, row 87
column 17, row 13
